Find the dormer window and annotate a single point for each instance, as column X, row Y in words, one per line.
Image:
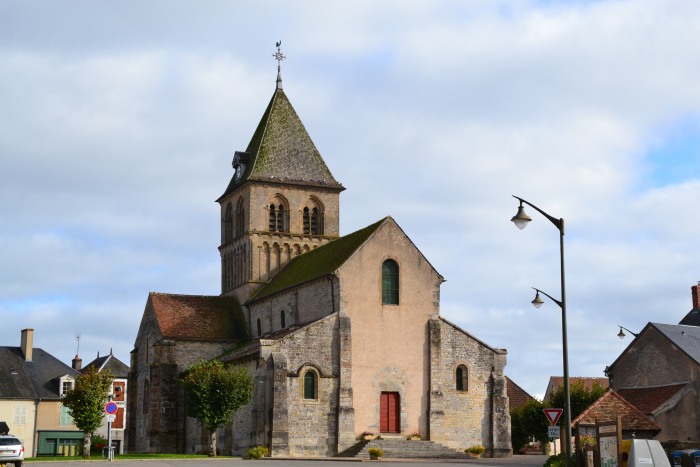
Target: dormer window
column 66, row 384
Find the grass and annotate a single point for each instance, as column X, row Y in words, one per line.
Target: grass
column 121, row 457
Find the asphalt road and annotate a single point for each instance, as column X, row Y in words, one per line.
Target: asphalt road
column 515, row 461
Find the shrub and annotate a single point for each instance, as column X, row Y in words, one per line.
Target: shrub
column 257, row 452
column 414, row 435
column 558, row 460
column 375, row 452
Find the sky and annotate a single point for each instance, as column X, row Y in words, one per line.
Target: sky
column 119, row 121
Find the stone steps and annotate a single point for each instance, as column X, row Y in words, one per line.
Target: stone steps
column 400, row 448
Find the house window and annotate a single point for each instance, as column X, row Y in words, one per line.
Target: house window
column 310, row 385
column 390, row 282
column 462, row 378
column 66, row 385
column 65, row 417
column 20, row 415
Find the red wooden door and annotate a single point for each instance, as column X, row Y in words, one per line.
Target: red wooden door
column 389, row 410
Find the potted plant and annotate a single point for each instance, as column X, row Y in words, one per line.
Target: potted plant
column 415, row 436
column 367, row 436
column 375, row 453
column 475, row 451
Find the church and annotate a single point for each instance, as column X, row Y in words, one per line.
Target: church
column 342, row 334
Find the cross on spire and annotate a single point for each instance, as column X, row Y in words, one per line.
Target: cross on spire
column 279, row 57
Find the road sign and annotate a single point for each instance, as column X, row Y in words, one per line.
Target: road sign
column 111, row 417
column 554, row 432
column 111, row 408
column 553, row 415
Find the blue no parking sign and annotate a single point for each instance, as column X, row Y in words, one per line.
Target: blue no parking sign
column 111, row 408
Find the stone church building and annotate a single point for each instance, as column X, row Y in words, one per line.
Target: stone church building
column 342, row 334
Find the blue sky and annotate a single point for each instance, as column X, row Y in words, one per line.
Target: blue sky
column 120, row 121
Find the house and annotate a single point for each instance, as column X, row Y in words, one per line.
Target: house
column 120, row 373
column 517, row 396
column 635, row 424
column 31, row 387
column 342, row 334
column 659, row 372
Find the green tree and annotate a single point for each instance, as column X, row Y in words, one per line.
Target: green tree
column 213, row 393
column 86, row 403
column 528, row 422
column 581, row 397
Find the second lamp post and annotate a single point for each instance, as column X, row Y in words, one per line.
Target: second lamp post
column 521, row 220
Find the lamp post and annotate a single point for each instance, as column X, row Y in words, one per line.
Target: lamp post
column 521, row 219
column 622, row 335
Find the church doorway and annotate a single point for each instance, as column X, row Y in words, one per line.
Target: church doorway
column 389, row 411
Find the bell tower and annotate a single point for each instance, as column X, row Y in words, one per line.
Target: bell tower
column 282, row 200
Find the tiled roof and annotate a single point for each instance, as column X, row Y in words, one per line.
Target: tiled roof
column 31, row 380
column 198, row 317
column 282, row 151
column 648, row 399
column 517, row 396
column 609, row 406
column 692, row 318
column 317, row 263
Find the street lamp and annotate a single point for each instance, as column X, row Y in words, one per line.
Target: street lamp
column 521, row 219
column 622, row 335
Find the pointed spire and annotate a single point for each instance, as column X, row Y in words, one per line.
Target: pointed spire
column 279, row 57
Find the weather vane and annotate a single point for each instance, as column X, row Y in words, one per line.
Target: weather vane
column 278, row 55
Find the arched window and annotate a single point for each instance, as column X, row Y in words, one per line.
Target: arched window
column 390, row 282
column 310, row 385
column 462, row 378
column 146, row 396
column 312, row 218
column 278, row 218
column 282, row 319
column 228, row 224
column 240, row 219
column 259, row 327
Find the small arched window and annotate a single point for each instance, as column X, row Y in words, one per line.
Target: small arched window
column 259, row 327
column 390, row 282
column 240, row 219
column 462, row 378
column 146, row 396
column 310, row 385
column 228, row 224
column 278, row 218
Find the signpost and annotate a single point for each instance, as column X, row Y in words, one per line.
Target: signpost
column 111, row 411
column 553, row 417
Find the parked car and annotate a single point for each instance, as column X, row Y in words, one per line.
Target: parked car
column 11, row 450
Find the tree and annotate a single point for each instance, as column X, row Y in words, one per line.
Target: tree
column 528, row 422
column 86, row 403
column 214, row 393
column 581, row 397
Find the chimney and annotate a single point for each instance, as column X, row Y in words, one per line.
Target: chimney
column 27, row 343
column 77, row 363
column 696, row 300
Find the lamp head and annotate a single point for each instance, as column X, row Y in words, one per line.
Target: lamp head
column 537, row 302
column 621, row 334
column 521, row 218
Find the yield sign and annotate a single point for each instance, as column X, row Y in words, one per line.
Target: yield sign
column 553, row 415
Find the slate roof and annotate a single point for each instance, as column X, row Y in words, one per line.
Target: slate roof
column 281, row 151
column 317, row 263
column 517, row 396
column 692, row 318
column 111, row 364
column 609, row 406
column 649, row 398
column 32, row 380
column 198, row 317
column 686, row 338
